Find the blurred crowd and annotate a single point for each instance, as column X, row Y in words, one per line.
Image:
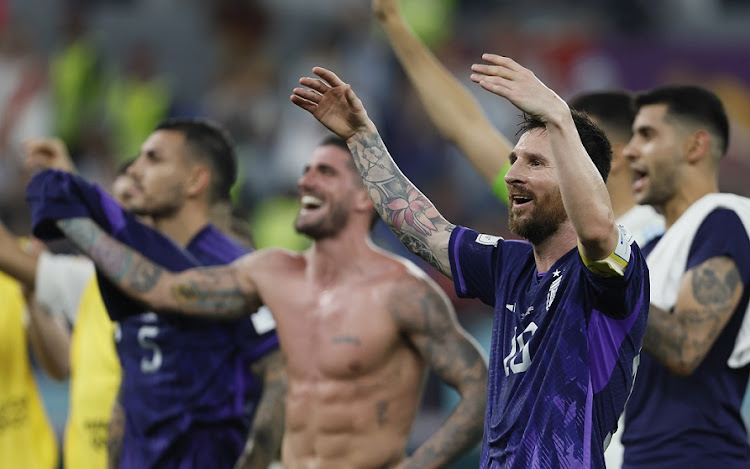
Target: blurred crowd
column 100, row 74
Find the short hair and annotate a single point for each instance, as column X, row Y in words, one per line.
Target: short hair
column 613, row 109
column 337, row 141
column 592, row 136
column 211, row 144
column 692, row 103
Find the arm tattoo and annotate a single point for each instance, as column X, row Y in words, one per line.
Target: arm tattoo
column 205, row 291
column 264, row 442
column 427, row 318
column 681, row 339
column 116, row 434
column 408, row 213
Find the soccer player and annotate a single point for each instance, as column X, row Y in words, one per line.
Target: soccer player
column 570, row 304
column 358, row 326
column 190, row 386
column 685, row 407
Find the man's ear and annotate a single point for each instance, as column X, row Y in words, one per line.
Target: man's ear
column 199, row 181
column 698, row 146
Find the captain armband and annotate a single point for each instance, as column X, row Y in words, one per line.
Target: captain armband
column 616, row 263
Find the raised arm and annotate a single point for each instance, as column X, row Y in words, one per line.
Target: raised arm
column 264, row 442
column 409, row 214
column 451, row 107
column 209, row 291
column 428, row 320
column 583, row 191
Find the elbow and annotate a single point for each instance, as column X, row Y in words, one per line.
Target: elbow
column 59, row 371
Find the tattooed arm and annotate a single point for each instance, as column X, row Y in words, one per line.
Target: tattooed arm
column 264, row 442
column 428, row 320
column 210, row 291
column 116, row 434
column 409, row 214
column 709, row 294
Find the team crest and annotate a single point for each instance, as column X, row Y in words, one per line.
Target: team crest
column 553, row 288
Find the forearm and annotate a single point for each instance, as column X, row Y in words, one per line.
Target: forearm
column 668, row 339
column 408, row 213
column 459, row 433
column 582, row 188
column 208, row 292
column 267, row 430
column 17, row 263
column 50, row 341
column 116, row 435
column 450, row 106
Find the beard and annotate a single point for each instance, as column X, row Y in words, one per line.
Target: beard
column 326, row 226
column 542, row 221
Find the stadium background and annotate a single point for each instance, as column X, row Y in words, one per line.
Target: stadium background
column 101, row 73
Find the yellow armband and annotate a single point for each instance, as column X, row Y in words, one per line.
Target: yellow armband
column 616, row 263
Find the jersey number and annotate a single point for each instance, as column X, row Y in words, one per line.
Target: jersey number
column 146, row 339
column 519, row 358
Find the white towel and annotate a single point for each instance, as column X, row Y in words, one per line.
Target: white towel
column 668, row 260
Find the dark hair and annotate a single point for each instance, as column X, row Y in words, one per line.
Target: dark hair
column 692, row 103
column 592, row 136
column 614, row 110
column 213, row 145
column 337, row 141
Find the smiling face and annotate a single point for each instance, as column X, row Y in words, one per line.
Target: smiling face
column 655, row 155
column 535, row 207
column 159, row 175
column 326, row 189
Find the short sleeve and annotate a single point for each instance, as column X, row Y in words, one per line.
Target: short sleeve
column 473, row 258
column 721, row 234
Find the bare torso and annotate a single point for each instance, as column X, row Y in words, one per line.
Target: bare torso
column 354, row 379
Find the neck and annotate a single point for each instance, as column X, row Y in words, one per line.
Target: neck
column 184, row 224
column 330, row 258
column 554, row 247
column 686, row 196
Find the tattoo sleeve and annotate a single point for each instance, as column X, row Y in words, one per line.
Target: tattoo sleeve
column 427, row 318
column 409, row 214
column 709, row 294
column 264, row 442
column 208, row 291
column 116, row 434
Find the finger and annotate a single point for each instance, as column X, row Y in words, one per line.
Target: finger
column 315, row 83
column 492, row 70
column 501, row 60
column 328, row 76
column 352, row 99
column 303, row 103
column 309, row 95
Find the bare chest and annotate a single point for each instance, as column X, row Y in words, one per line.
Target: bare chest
column 335, row 333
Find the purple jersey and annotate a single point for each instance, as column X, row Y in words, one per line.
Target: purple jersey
column 183, row 378
column 564, row 344
column 694, row 421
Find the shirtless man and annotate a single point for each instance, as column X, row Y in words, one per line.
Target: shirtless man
column 358, row 326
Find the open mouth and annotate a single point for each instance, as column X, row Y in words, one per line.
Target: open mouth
column 519, row 200
column 639, row 179
column 310, row 202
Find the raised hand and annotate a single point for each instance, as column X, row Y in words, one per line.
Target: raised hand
column 47, row 153
column 505, row 77
column 333, row 103
column 384, row 8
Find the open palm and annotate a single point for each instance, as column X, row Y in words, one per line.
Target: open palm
column 333, row 103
